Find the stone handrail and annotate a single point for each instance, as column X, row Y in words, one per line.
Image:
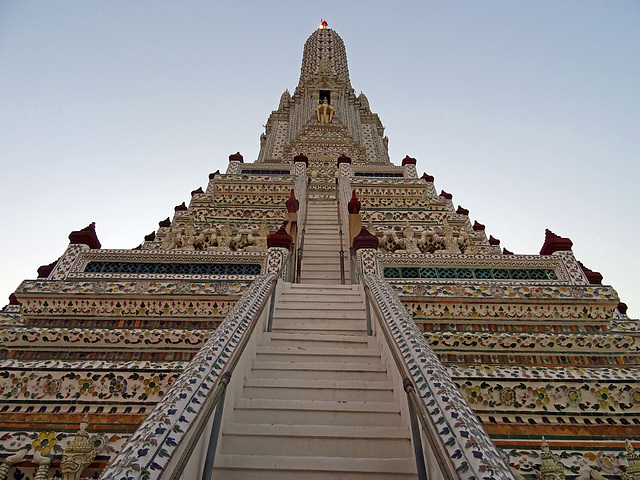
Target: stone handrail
column 148, row 452
column 469, row 447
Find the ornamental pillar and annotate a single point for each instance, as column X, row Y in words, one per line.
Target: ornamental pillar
column 365, row 246
column 235, row 163
column 409, row 164
column 355, row 219
column 344, row 166
column 279, row 246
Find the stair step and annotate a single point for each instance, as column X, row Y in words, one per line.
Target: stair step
column 244, row 474
column 339, row 324
column 313, row 314
column 316, row 412
column 320, row 281
column 318, row 219
column 350, row 329
column 320, row 234
column 326, row 299
column 325, row 465
column 345, row 290
column 329, row 276
column 314, row 384
column 328, row 250
column 323, row 224
column 317, row 357
column 319, row 299
column 316, row 304
column 320, row 431
column 321, row 242
column 324, row 370
column 316, row 268
column 309, row 393
column 322, row 440
column 316, row 340
column 292, row 354
column 312, row 258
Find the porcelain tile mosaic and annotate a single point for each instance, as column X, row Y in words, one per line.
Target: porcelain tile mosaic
column 152, row 444
column 469, row 446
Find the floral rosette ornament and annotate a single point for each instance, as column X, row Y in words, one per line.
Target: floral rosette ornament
column 44, row 442
column 50, row 386
column 118, row 385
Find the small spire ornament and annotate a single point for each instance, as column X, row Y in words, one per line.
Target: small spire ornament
column 633, row 470
column 550, row 469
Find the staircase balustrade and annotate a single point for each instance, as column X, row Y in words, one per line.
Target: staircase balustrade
column 340, row 231
column 343, row 195
column 177, row 440
column 302, row 194
column 457, row 445
column 301, row 232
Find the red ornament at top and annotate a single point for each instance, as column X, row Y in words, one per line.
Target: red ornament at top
column 354, row 203
column 554, row 243
column 365, row 240
column 236, row 157
column 280, row 239
column 293, row 204
column 86, row 236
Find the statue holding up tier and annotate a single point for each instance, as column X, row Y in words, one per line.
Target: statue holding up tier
column 450, row 242
column 80, row 453
column 410, row 242
column 325, row 112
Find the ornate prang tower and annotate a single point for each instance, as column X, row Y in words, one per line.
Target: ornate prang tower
column 347, row 128
column 318, row 313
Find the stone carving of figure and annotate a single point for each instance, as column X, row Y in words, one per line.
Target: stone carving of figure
column 261, row 239
column 588, row 473
column 450, row 242
column 390, row 241
column 9, row 461
column 633, row 470
column 178, row 236
column 188, row 237
column 80, row 453
column 466, row 246
column 325, row 112
column 169, row 241
column 410, row 242
column 242, row 240
column 210, row 239
column 200, row 242
column 224, row 240
column 43, row 466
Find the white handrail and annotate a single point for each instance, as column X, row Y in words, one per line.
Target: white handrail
column 457, row 439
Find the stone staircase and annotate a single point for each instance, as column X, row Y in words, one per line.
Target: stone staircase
column 318, row 402
column 321, row 254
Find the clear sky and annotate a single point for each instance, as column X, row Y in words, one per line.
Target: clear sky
column 527, row 112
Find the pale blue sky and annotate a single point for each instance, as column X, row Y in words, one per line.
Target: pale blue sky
column 527, row 112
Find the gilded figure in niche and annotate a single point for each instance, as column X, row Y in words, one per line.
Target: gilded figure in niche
column 324, row 112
